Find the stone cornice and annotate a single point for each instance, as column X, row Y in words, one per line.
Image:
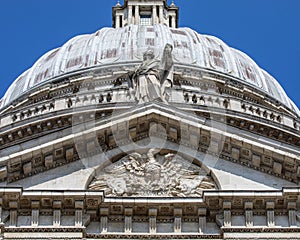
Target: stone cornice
column 272, row 158
column 215, row 207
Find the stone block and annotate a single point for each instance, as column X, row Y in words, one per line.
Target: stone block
column 13, row 204
column 256, row 160
column 111, row 140
column 214, row 146
column 194, row 140
column 292, row 205
column 27, row 167
column 236, row 142
column 277, row 167
column 173, row 133
column 79, row 204
column 49, row 161
column 173, row 122
column 104, row 211
column 90, row 146
column 152, row 212
column 257, row 149
column 248, row 205
column 298, row 171
column 3, row 172
column 184, row 132
column 267, row 160
column 57, row 204
column 26, row 156
column 177, row 212
column 69, row 153
column 278, row 156
column 15, row 164
column 59, row 152
column 35, row 204
column 132, row 132
column 202, row 211
column 226, row 205
column 128, row 212
column 246, row 153
column 235, row 153
column 270, row 205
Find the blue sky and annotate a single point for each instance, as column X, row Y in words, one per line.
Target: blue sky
column 267, row 30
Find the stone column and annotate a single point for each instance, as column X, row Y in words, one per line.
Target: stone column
column 128, row 220
column 202, row 220
column 78, row 213
column 227, row 214
column 137, row 15
column 117, row 21
column 152, row 220
column 270, row 214
column 154, row 15
column 249, row 214
column 173, row 21
column 103, row 220
column 129, row 14
column 161, row 14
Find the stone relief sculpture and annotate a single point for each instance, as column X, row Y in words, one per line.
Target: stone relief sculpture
column 150, row 80
column 152, row 174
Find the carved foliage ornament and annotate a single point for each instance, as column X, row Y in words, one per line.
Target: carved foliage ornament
column 153, row 174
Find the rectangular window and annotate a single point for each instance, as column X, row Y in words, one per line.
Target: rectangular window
column 146, row 20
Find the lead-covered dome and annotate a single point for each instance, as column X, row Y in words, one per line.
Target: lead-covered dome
column 127, row 44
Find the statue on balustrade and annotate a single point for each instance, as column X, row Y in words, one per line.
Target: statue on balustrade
column 150, row 80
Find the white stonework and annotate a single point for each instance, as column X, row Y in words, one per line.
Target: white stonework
column 176, row 136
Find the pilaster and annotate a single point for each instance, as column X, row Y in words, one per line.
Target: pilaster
column 270, row 214
column 227, row 213
column 152, row 220
column 249, row 214
column 56, row 213
column 202, row 220
column 103, row 220
column 292, row 214
column 177, row 220
column 35, row 205
column 78, row 213
column 128, row 220
column 13, row 214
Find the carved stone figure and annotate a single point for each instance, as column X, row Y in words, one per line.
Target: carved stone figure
column 152, row 174
column 150, row 80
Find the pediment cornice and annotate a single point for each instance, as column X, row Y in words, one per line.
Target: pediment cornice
column 122, row 127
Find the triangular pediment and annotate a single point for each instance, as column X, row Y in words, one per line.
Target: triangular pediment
column 87, row 140
column 153, row 173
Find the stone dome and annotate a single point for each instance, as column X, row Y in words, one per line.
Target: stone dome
column 127, row 44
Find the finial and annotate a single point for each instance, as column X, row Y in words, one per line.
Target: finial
column 118, row 4
column 172, row 4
